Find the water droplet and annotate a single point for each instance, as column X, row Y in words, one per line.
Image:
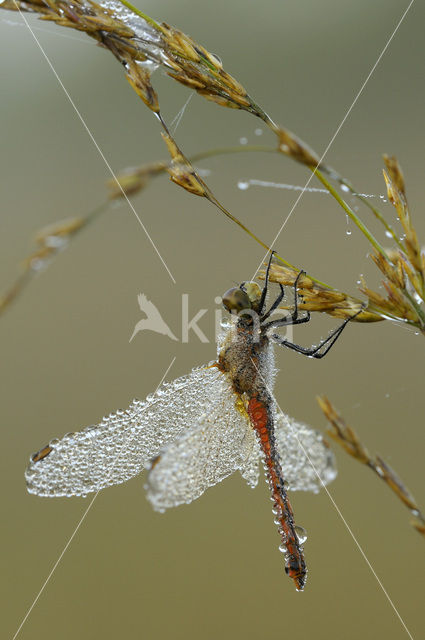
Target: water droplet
column 344, row 188
column 204, row 173
column 243, row 140
column 219, row 60
column 55, row 242
column 301, row 534
column 388, row 234
column 258, row 132
column 243, row 185
column 348, row 232
column 387, row 395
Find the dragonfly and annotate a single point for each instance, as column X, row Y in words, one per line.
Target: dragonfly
column 192, row 433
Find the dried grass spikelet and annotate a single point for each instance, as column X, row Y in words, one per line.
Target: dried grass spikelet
column 294, row 147
column 134, row 179
column 342, row 433
column 347, row 438
column 394, row 180
column 139, row 79
column 202, row 71
column 317, row 297
column 404, row 267
column 50, row 240
column 182, row 58
column 181, row 171
column 135, row 38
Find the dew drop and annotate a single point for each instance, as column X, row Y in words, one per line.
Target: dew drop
column 218, row 59
column 243, row 185
column 348, row 232
column 204, row 173
column 301, row 534
column 344, row 188
column 258, row 132
column 243, row 140
column 388, row 234
column 55, row 242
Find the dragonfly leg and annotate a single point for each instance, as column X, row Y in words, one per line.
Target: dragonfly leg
column 266, row 282
column 275, row 304
column 295, row 311
column 317, row 351
column 293, row 318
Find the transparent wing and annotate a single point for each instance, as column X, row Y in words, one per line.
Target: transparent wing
column 306, row 459
column 220, row 443
column 123, row 443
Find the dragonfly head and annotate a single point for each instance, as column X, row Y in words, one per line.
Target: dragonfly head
column 247, row 296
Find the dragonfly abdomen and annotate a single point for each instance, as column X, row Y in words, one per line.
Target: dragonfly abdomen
column 261, row 417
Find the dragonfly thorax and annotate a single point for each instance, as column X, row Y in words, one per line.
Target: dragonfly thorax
column 246, row 356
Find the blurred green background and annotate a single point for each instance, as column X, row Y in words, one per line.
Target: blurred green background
column 210, row 569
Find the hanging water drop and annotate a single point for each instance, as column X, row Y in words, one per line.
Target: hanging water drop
column 345, row 188
column 243, row 185
column 388, row 234
column 301, row 534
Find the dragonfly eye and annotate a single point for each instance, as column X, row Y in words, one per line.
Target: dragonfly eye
column 236, row 300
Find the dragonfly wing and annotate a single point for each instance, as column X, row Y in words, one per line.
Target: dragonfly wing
column 220, row 443
column 250, row 471
column 307, row 461
column 120, row 446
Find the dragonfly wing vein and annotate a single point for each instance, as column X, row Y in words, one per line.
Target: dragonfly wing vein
column 122, row 444
column 307, row 461
column 221, row 442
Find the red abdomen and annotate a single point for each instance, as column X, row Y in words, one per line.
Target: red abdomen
column 261, row 417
